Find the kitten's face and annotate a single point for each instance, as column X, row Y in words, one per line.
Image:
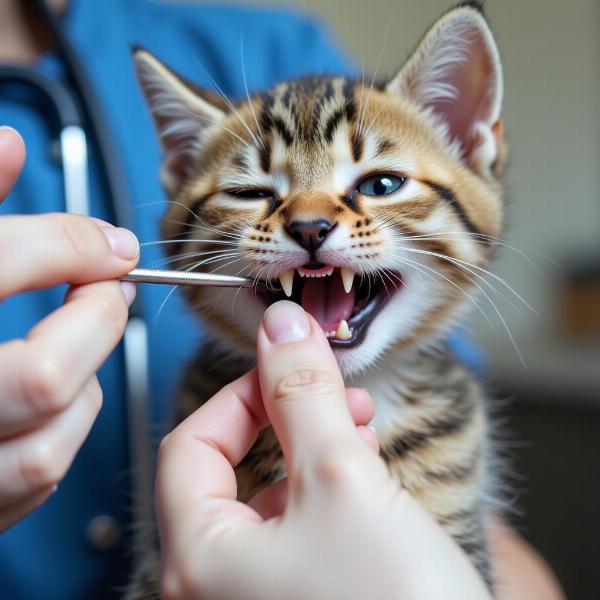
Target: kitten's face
column 366, row 204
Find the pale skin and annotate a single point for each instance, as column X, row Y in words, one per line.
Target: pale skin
column 51, row 397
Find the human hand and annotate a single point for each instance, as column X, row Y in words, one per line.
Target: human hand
column 343, row 528
column 49, row 394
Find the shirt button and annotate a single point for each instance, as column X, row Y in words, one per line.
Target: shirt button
column 103, row 533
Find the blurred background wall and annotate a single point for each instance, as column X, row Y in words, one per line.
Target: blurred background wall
column 551, row 51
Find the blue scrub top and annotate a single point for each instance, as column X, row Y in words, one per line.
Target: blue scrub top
column 49, row 554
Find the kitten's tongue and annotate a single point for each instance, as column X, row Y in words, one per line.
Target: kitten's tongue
column 325, row 299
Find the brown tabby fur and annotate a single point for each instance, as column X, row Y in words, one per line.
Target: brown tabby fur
column 430, row 412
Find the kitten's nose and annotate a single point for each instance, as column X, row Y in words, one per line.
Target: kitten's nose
column 310, row 234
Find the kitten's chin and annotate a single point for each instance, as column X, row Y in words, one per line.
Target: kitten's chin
column 392, row 319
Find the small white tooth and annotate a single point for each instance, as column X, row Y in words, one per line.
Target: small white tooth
column 287, row 281
column 300, row 273
column 343, row 331
column 329, row 272
column 347, row 278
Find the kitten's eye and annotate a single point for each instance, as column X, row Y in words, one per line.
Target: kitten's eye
column 251, row 193
column 380, row 185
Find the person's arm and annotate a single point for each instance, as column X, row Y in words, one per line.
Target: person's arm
column 520, row 572
column 49, row 394
column 338, row 526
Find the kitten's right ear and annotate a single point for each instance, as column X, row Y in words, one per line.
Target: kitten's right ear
column 456, row 73
column 184, row 115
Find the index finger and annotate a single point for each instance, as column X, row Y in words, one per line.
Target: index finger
column 197, row 458
column 39, row 251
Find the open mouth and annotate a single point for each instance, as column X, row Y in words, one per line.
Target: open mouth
column 343, row 302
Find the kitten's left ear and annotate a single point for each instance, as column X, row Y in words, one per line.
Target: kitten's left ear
column 456, row 72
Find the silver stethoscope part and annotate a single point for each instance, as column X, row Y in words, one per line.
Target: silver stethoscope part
column 73, row 142
column 187, row 278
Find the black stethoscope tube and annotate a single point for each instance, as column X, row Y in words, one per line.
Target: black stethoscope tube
column 59, row 99
column 97, row 125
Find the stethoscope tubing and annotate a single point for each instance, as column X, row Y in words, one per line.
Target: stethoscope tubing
column 72, row 137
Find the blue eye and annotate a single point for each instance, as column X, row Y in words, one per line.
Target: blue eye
column 380, row 185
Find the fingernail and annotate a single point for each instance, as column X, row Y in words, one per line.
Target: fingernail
column 123, row 243
column 129, row 290
column 6, row 128
column 285, row 322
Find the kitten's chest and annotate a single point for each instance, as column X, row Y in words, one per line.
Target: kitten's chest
column 401, row 394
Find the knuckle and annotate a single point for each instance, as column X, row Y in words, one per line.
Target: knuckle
column 342, row 467
column 78, row 234
column 45, row 387
column 307, row 379
column 181, row 582
column 43, row 466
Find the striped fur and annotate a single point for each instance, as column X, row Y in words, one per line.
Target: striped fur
column 308, row 142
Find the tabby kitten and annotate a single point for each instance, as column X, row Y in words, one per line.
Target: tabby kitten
column 373, row 205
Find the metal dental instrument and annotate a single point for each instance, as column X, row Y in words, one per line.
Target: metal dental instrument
column 185, row 278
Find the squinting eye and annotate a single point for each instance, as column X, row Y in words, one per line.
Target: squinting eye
column 251, row 193
column 380, row 185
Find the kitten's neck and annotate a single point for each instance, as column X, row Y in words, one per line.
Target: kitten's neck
column 404, row 378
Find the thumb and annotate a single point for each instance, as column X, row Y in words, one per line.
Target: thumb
column 302, row 387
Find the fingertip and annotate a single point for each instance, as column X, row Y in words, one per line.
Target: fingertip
column 361, row 405
column 286, row 321
column 12, row 157
column 9, row 134
column 369, row 436
column 129, row 291
column 123, row 242
column 12, row 147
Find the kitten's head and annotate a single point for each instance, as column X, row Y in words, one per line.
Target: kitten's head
column 373, row 205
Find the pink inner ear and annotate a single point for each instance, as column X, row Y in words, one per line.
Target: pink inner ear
column 474, row 80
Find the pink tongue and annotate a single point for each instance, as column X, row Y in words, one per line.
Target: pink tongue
column 325, row 299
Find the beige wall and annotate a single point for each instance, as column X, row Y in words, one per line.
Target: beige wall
column 550, row 50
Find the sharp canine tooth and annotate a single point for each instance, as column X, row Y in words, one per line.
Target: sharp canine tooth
column 347, row 278
column 287, row 281
column 343, row 332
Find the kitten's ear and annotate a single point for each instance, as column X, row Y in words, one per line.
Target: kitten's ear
column 183, row 114
column 456, row 72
